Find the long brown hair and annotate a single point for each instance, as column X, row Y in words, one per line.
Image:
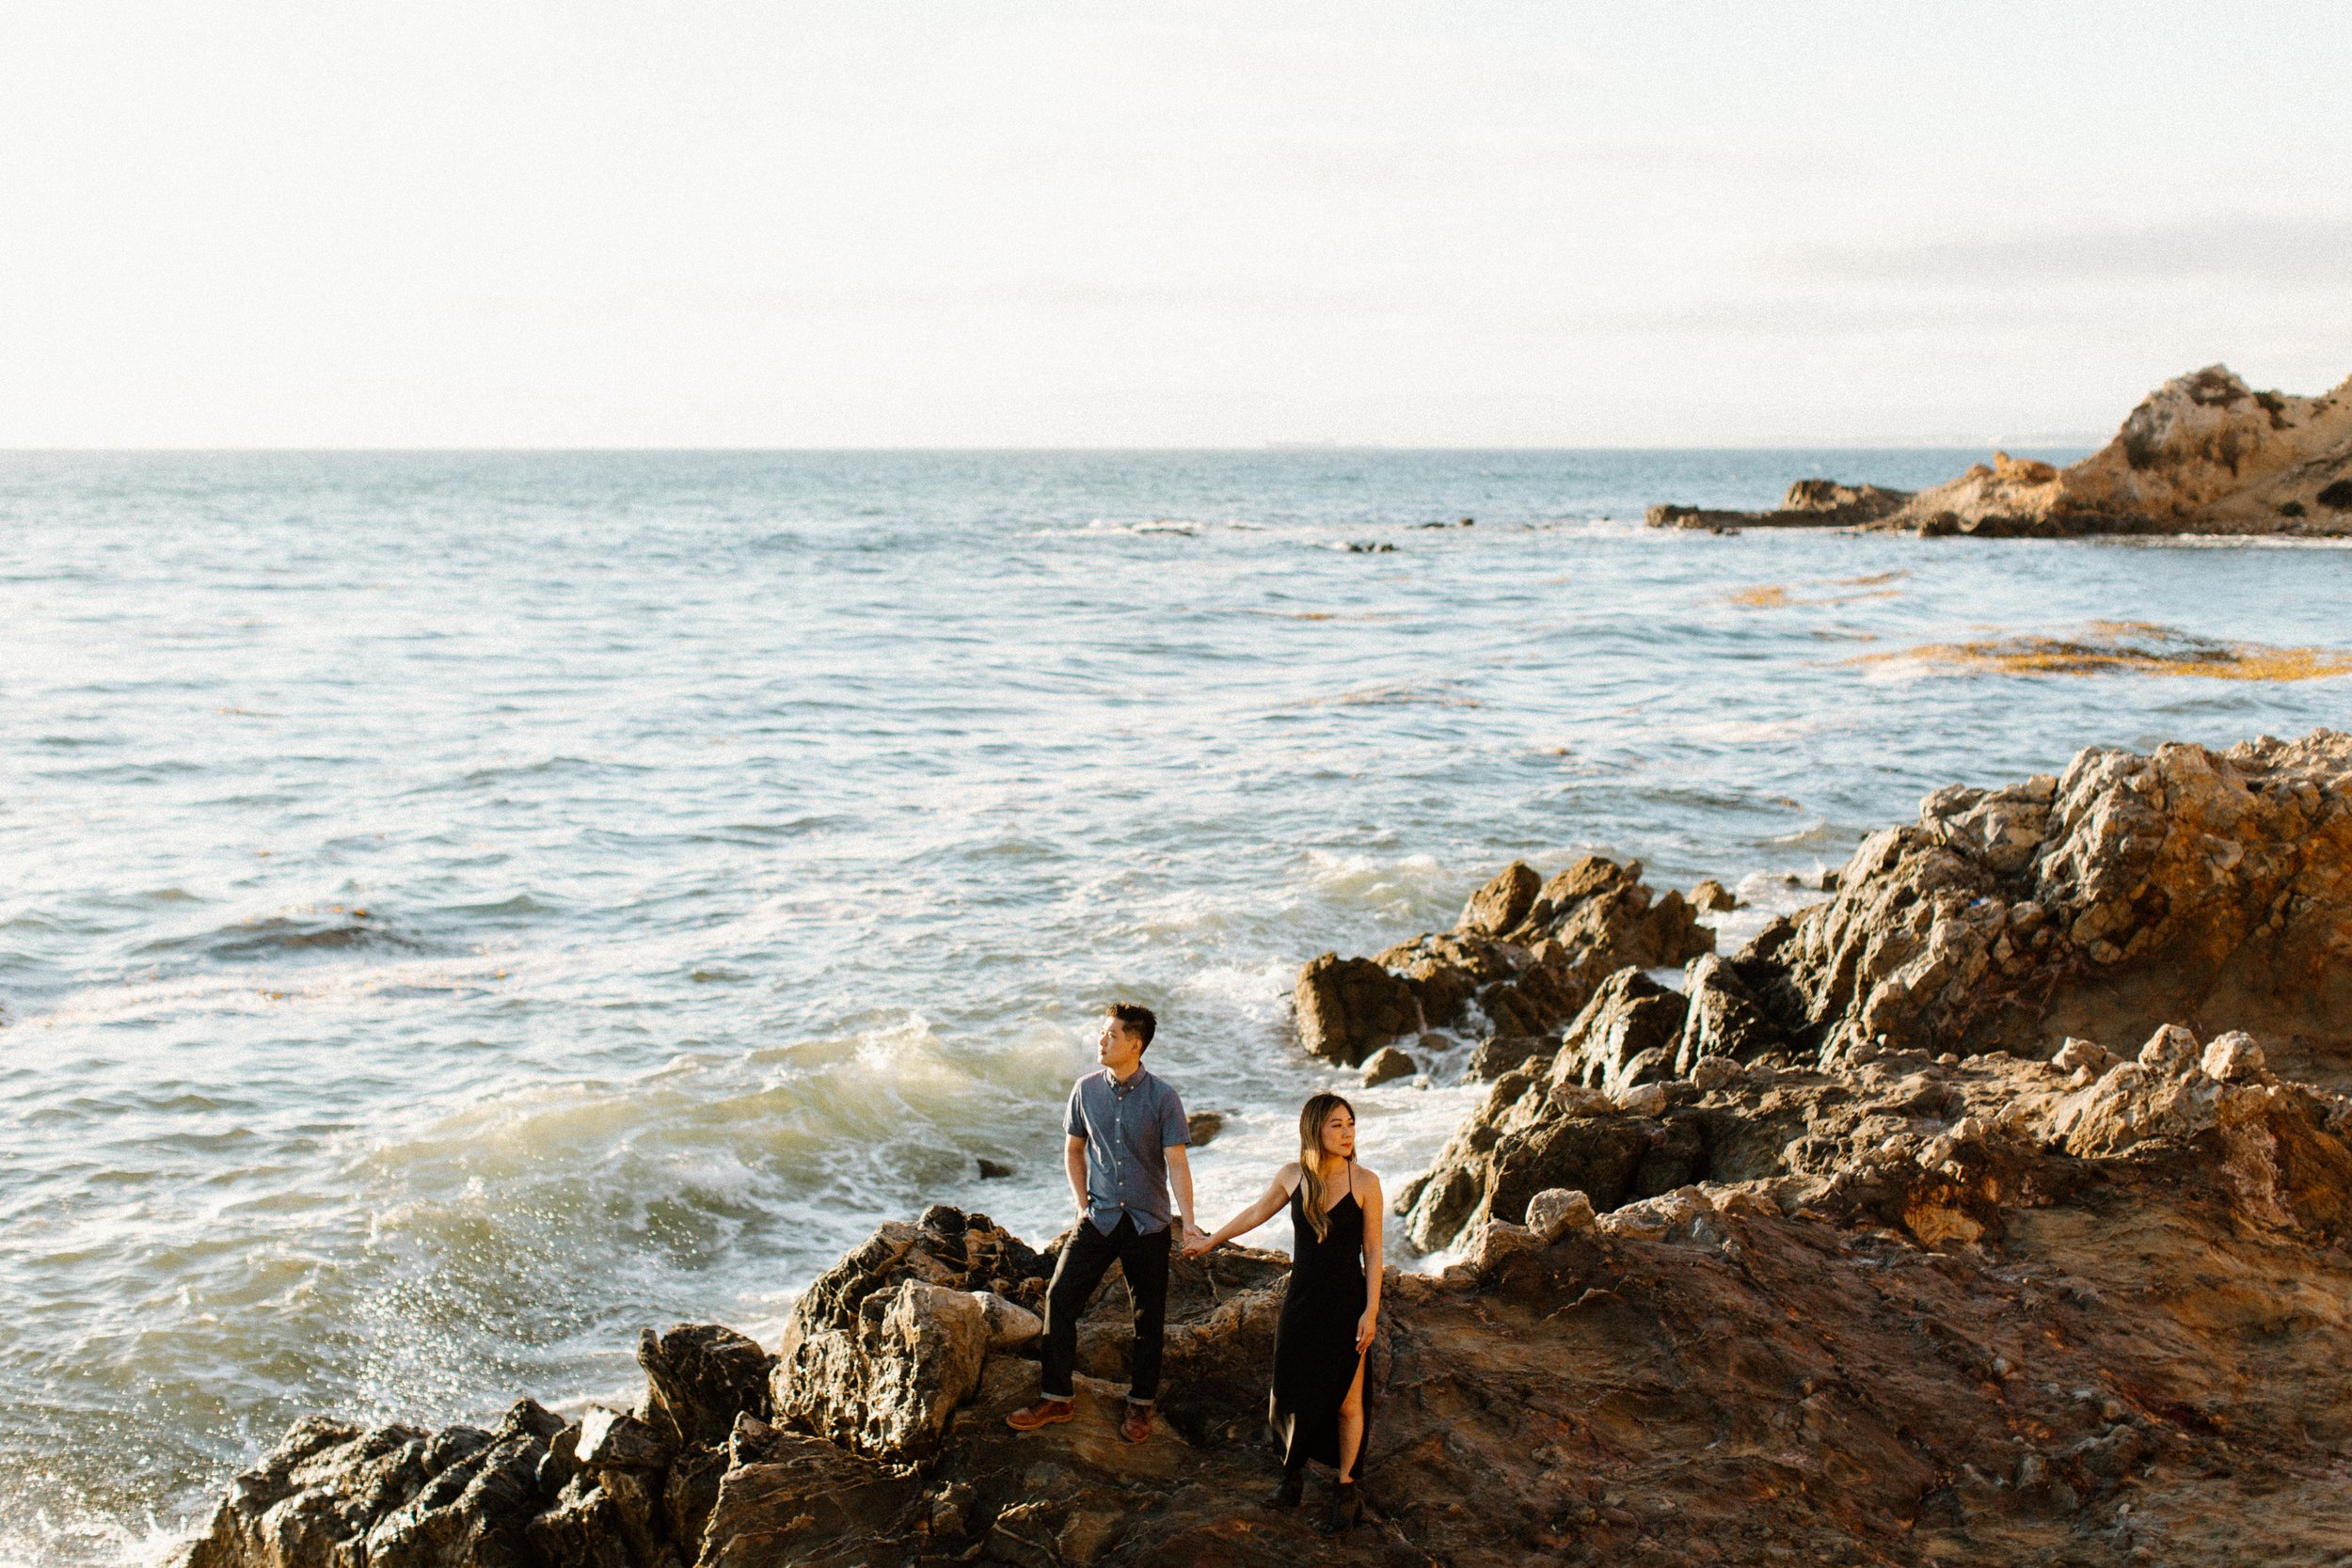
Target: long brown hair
column 1317, row 1112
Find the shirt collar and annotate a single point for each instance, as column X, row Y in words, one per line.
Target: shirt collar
column 1142, row 1075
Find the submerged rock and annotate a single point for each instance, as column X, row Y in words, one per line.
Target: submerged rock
column 1809, row 503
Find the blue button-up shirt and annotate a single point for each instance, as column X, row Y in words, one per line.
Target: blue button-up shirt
column 1129, row 1127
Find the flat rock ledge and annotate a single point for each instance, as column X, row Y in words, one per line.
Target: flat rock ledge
column 1925, row 1230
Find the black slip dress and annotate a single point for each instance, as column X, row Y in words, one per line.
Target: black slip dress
column 1314, row 1345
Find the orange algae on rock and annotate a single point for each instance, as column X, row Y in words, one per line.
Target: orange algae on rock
column 2131, row 646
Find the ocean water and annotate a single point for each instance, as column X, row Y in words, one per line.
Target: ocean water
column 455, row 910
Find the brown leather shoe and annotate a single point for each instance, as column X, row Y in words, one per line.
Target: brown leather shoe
column 1137, row 1426
column 1044, row 1412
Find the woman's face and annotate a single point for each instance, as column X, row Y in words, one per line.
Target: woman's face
column 1338, row 1133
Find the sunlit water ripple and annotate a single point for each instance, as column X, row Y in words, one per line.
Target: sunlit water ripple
column 745, row 841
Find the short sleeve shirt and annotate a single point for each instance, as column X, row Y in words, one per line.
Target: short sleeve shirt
column 1129, row 1127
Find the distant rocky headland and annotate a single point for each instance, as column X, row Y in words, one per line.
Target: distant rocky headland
column 1993, row 1209
column 2203, row 453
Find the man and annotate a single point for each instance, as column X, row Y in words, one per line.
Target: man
column 1127, row 1137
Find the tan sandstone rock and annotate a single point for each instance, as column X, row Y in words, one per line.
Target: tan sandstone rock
column 2203, row 453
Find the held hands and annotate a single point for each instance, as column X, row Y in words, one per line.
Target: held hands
column 1195, row 1241
column 1364, row 1325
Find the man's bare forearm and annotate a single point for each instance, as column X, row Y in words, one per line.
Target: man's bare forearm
column 1074, row 1160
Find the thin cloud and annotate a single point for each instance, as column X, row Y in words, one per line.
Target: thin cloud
column 2269, row 251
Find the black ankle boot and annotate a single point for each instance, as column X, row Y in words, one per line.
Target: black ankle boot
column 1294, row 1487
column 1346, row 1508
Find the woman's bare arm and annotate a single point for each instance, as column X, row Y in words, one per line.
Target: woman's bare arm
column 1269, row 1203
column 1374, row 1211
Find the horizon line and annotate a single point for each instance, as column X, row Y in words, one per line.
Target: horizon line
column 1267, row 448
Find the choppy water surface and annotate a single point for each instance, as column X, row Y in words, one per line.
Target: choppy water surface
column 454, row 909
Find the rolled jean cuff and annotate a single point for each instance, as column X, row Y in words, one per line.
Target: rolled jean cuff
column 1066, row 1399
column 1141, row 1405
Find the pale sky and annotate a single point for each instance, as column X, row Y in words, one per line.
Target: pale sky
column 1131, row 223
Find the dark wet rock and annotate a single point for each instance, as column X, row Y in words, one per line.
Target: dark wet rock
column 1348, row 1007
column 613, row 1440
column 1500, row 1053
column 994, row 1170
column 1809, row 503
column 1202, row 1127
column 1723, row 1017
column 1388, row 1064
column 1629, row 1032
column 698, row 1378
column 333, row 1493
column 1525, row 958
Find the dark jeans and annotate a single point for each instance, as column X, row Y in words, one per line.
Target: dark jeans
column 1085, row 1258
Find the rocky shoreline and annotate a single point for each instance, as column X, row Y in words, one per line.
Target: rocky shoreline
column 1993, row 1210
column 2203, row 453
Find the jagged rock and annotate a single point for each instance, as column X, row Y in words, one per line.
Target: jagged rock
column 1500, row 1053
column 1503, row 903
column 1527, row 956
column 799, row 1499
column 885, row 1383
column 1723, row 1017
column 1629, row 1032
column 2185, row 884
column 2203, row 453
column 1347, row 1008
column 611, row 1440
column 996, row 1170
column 1202, row 1126
column 698, row 1378
column 882, row 1346
column 1711, row 897
column 582, row 1529
column 1387, row 1064
column 1509, row 1152
column 690, row 1494
column 332, row 1495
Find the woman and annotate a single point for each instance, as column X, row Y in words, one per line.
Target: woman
column 1331, row 1307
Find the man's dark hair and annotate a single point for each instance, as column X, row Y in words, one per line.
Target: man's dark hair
column 1135, row 1016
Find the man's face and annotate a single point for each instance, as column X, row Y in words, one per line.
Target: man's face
column 1118, row 1048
